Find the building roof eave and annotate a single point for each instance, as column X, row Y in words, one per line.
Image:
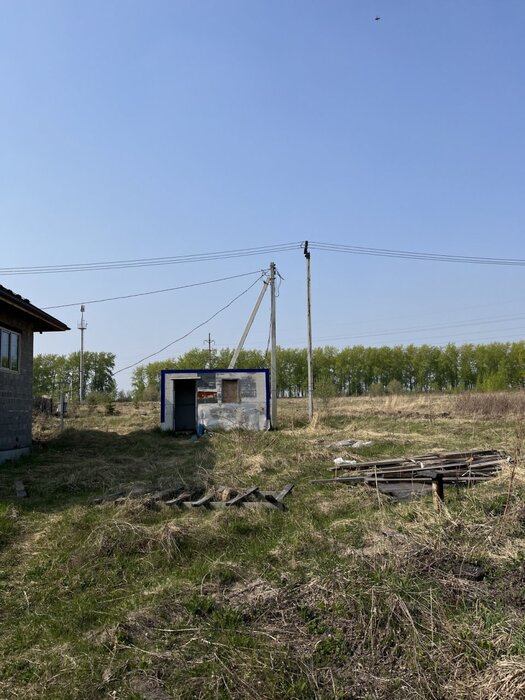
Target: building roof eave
column 41, row 321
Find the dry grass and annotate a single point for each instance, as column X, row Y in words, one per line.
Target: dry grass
column 491, row 405
column 344, row 596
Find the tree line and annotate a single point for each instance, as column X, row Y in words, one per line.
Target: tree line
column 351, row 371
column 358, row 370
column 53, row 374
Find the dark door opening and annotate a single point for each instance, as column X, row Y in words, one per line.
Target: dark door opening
column 185, row 404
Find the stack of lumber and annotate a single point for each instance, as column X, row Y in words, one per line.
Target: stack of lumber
column 407, row 476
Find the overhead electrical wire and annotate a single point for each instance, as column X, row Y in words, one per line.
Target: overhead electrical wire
column 156, row 291
column 414, row 255
column 261, row 250
column 182, row 337
column 151, row 262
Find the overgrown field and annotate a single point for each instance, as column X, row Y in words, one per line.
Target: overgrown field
column 345, row 595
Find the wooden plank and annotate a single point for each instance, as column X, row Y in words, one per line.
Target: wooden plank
column 185, row 496
column 204, row 501
column 270, row 497
column 241, row 497
column 340, row 480
column 284, row 492
column 426, row 479
column 480, row 457
column 361, row 465
column 434, row 467
column 217, row 505
column 371, row 480
column 403, row 493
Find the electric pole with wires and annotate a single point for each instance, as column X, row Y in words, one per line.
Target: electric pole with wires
column 209, row 342
column 309, row 336
column 273, row 360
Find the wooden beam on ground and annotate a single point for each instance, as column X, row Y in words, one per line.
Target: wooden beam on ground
column 217, row 505
column 241, row 497
column 202, row 502
column 284, row 492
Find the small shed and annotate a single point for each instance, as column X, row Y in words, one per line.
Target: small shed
column 214, row 398
column 19, row 319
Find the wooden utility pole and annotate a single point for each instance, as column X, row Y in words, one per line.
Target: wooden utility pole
column 309, row 343
column 273, row 363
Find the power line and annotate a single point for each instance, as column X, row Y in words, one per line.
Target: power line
column 182, row 337
column 260, row 250
column 157, row 291
column 415, row 255
column 150, row 262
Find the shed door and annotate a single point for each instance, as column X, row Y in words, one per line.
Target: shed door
column 185, row 404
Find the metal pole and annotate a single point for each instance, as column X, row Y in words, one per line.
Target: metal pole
column 235, row 355
column 309, row 344
column 273, row 363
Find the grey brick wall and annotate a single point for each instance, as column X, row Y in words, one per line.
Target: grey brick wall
column 16, row 389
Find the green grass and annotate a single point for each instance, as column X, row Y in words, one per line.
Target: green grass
column 345, row 595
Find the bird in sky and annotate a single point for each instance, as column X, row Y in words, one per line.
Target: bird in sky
column 377, row 18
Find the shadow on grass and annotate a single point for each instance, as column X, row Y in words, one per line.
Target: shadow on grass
column 79, row 465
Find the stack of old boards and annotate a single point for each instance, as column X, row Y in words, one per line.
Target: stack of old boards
column 409, row 476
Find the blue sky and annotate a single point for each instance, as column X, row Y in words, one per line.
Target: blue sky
column 144, row 129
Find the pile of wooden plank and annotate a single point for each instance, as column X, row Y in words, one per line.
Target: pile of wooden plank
column 407, row 476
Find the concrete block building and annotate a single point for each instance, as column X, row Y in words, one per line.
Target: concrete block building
column 19, row 319
column 214, row 398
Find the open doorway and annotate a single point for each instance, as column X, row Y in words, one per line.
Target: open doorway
column 184, row 405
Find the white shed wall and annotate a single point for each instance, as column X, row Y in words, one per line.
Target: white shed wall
column 249, row 414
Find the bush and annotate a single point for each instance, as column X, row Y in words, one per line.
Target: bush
column 98, row 398
column 376, row 389
column 394, row 386
column 325, row 390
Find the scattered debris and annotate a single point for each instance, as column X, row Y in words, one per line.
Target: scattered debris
column 408, row 476
column 20, row 489
column 341, row 463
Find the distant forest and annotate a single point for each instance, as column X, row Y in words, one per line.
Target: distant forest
column 358, row 370
column 352, row 371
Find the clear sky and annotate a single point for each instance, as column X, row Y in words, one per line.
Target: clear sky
column 145, row 129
